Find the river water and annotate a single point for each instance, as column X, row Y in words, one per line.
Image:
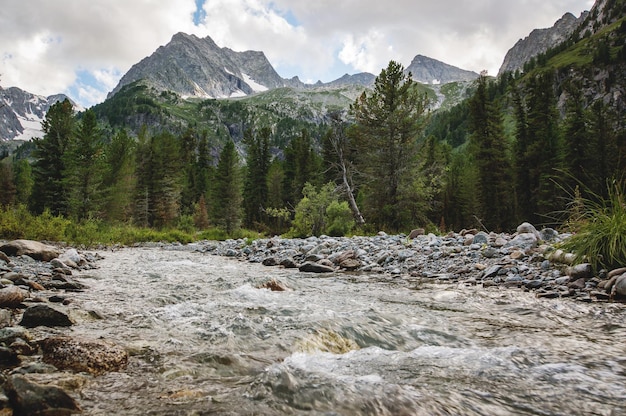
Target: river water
column 205, row 339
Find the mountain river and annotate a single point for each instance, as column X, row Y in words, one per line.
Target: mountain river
column 206, row 338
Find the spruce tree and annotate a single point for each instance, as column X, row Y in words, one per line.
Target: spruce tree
column 50, row 188
column 83, row 163
column 489, row 148
column 227, row 190
column 119, row 177
column 387, row 123
column 255, row 182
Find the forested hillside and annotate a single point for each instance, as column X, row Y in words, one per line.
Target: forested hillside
column 525, row 146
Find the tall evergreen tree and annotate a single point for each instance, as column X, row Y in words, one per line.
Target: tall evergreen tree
column 542, row 155
column 188, row 159
column 227, row 190
column 8, row 190
column 577, row 150
column 257, row 167
column 167, row 179
column 83, row 163
column 302, row 164
column 23, row 179
column 489, row 148
column 387, row 123
column 50, row 187
column 119, row 177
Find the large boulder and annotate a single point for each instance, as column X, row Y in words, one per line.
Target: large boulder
column 34, row 249
column 94, row 357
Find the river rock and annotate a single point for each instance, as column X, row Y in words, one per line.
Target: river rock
column 528, row 228
column 315, row 268
column 94, row 357
column 44, row 315
column 416, row 233
column 12, row 297
column 4, row 257
column 523, row 241
column 29, row 398
column 33, row 249
column 580, row 271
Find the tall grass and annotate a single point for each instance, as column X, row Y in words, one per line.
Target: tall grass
column 600, row 229
column 18, row 223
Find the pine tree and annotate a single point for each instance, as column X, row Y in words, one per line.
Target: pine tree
column 166, row 166
column 119, row 177
column 8, row 190
column 577, row 154
column 539, row 150
column 255, row 182
column 490, row 152
column 50, row 188
column 302, row 164
column 23, row 179
column 387, row 123
column 227, row 190
column 83, row 169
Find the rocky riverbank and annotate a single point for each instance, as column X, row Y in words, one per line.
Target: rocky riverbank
column 42, row 368
column 37, row 366
column 527, row 260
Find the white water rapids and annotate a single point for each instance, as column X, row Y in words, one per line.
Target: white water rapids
column 204, row 339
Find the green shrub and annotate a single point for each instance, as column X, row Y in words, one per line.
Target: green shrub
column 339, row 219
column 600, row 236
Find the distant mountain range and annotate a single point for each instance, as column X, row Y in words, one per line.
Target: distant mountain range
column 196, row 67
column 21, row 113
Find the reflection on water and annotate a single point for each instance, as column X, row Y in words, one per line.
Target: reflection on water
column 206, row 338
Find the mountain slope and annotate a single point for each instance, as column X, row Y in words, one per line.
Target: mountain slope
column 21, row 113
column 539, row 41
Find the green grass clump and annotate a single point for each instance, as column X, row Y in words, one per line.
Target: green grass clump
column 18, row 223
column 600, row 236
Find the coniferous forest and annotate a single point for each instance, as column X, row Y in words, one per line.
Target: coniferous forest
column 527, row 146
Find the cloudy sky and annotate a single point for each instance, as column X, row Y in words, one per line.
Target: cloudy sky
column 83, row 47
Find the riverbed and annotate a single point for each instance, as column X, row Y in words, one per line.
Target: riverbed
column 206, row 337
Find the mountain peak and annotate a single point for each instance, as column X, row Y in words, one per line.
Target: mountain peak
column 196, row 67
column 431, row 71
column 539, row 41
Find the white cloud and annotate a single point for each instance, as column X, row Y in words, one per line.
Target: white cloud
column 44, row 45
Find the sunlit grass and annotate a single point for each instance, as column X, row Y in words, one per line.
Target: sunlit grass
column 19, row 223
column 600, row 229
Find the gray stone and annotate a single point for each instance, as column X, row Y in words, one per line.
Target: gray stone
column 580, row 271
column 523, row 241
column 480, row 238
column 33, row 249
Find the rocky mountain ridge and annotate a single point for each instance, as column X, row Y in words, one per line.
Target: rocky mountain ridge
column 539, row 41
column 22, row 112
column 194, row 67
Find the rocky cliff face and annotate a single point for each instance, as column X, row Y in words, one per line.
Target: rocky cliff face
column 21, row 113
column 431, row 71
column 539, row 41
column 191, row 66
